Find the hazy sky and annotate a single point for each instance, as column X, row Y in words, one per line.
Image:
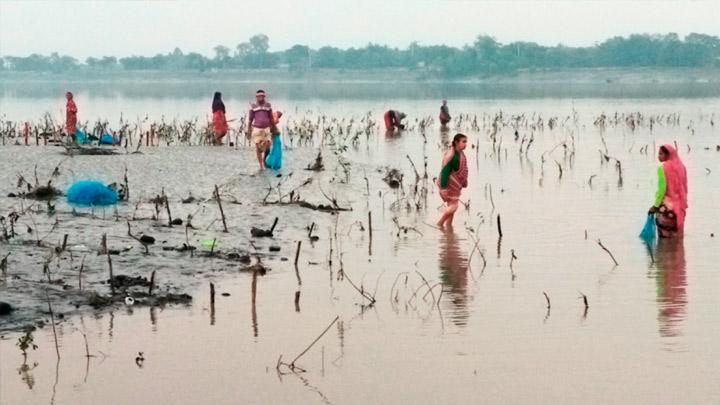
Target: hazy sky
column 120, row 28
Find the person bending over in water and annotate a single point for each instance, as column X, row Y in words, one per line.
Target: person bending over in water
column 444, row 114
column 70, row 116
column 219, row 121
column 260, row 126
column 393, row 120
column 453, row 178
column 671, row 196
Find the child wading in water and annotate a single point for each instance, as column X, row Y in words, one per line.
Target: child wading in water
column 453, row 178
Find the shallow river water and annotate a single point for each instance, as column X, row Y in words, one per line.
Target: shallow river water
column 649, row 333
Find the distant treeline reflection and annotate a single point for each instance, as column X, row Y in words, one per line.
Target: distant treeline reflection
column 307, row 90
column 485, row 56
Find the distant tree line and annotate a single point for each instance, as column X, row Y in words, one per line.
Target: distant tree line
column 484, row 56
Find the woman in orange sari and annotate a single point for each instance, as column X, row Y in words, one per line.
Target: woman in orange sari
column 453, row 178
column 220, row 124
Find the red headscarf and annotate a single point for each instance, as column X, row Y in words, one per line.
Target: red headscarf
column 676, row 185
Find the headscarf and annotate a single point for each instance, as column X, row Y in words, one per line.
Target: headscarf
column 676, row 184
column 218, row 104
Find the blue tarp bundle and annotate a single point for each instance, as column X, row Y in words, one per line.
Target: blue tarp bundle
column 106, row 139
column 90, row 192
column 274, row 159
column 80, row 137
column 648, row 232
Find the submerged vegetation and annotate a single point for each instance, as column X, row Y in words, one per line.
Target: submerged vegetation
column 485, row 56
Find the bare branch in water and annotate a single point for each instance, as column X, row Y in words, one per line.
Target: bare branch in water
column 608, row 252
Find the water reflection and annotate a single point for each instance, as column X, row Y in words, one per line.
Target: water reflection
column 25, row 372
column 253, row 294
column 179, row 85
column 445, row 136
column 453, row 265
column 671, row 282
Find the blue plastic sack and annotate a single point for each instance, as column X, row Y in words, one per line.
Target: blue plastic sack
column 80, row 137
column 106, row 139
column 274, row 159
column 648, row 232
column 90, row 192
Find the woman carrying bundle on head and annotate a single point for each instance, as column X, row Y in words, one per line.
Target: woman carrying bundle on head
column 219, row 122
column 671, row 196
column 453, row 178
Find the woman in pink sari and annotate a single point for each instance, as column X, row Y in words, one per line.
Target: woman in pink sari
column 453, row 178
column 671, row 196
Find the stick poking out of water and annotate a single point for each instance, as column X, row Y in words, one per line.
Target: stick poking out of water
column 585, row 301
column 292, row 365
column 167, row 208
column 110, row 269
column 82, row 266
column 370, row 223
column 297, row 252
column 212, row 304
column 499, row 226
column 608, row 252
column 152, row 283
column 222, row 213
column 547, row 299
column 52, row 319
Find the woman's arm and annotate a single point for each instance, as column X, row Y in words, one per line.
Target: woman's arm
column 662, row 187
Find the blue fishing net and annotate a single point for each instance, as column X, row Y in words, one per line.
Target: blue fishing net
column 648, row 232
column 274, row 158
column 106, row 139
column 90, row 192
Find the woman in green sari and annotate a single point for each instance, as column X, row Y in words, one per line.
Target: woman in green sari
column 453, row 178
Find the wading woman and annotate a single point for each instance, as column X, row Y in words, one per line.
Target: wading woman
column 444, row 114
column 671, row 196
column 453, row 178
column 219, row 122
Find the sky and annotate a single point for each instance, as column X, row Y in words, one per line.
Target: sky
column 122, row 28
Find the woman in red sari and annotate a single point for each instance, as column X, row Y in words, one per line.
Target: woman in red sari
column 220, row 124
column 453, row 178
column 671, row 196
column 70, row 115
